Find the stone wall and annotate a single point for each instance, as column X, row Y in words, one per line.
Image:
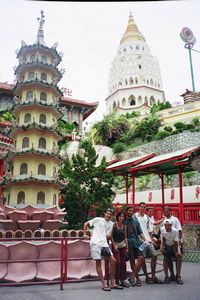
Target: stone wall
column 191, row 237
column 169, row 144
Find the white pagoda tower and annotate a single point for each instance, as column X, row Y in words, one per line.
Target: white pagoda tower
column 134, row 81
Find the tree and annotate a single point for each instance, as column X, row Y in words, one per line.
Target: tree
column 88, row 186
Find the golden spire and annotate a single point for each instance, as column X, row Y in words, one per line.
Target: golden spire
column 132, row 33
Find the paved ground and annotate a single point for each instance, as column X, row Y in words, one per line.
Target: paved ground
column 91, row 291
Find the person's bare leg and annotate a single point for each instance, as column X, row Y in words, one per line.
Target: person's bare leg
column 178, row 265
column 144, row 269
column 153, row 267
column 99, row 272
column 112, row 270
column 138, row 266
column 165, row 266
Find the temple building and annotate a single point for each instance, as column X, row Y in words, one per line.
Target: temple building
column 134, row 80
column 33, row 165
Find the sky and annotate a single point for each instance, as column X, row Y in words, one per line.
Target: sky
column 89, row 33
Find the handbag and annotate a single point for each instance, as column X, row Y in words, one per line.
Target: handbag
column 105, row 251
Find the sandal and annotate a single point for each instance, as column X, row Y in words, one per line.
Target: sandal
column 125, row 284
column 132, row 281
column 156, row 280
column 179, row 280
column 138, row 283
column 167, row 280
column 106, row 288
column 149, row 280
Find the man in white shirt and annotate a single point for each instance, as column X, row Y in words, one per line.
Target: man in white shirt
column 149, row 251
column 170, row 248
column 102, row 228
column 176, row 224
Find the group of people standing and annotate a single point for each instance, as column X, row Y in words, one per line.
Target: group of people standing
column 133, row 237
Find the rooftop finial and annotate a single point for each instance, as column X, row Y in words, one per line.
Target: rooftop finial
column 131, row 13
column 40, row 34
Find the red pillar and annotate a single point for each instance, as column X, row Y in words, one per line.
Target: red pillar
column 163, row 188
column 80, row 122
column 133, row 189
column 181, row 215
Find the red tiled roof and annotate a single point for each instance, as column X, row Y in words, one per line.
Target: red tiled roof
column 80, row 102
column 6, row 86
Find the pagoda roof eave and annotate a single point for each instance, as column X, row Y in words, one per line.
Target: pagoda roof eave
column 31, row 152
column 41, row 106
column 52, row 50
column 59, row 136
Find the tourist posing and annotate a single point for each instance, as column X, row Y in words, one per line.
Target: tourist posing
column 134, row 236
column 120, row 248
column 102, row 229
column 170, row 249
column 149, row 251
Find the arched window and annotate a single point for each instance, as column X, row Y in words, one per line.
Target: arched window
column 41, row 169
column 139, row 66
column 151, row 82
column 114, row 105
column 54, row 199
column 139, row 100
column 42, row 143
column 124, row 102
column 146, row 100
column 119, row 84
column 42, row 119
column 44, row 59
column 32, row 58
column 21, row 198
column 136, row 80
column 43, row 96
column 54, row 171
column 126, row 82
column 147, row 81
column 137, row 47
column 132, row 100
column 25, row 142
column 130, row 80
column 152, row 100
column 27, row 118
column 41, row 198
column 29, row 96
column 31, row 76
column 44, row 76
column 23, row 169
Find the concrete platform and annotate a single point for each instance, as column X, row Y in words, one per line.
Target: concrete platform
column 91, row 290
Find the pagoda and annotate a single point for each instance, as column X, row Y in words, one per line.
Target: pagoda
column 31, row 176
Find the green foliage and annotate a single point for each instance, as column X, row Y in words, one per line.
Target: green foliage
column 160, row 106
column 162, row 134
column 65, row 127
column 196, row 122
column 180, row 126
column 119, row 147
column 168, row 128
column 188, row 178
column 6, row 116
column 144, row 181
column 109, row 130
column 133, row 114
column 88, row 185
column 147, row 128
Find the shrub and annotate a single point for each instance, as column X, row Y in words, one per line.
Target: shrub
column 168, row 128
column 119, row 147
column 162, row 134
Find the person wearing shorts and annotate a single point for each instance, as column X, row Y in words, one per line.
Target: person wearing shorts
column 102, row 228
column 134, row 233
column 149, row 251
column 171, row 249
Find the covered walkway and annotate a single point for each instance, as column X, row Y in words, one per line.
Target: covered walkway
column 167, row 164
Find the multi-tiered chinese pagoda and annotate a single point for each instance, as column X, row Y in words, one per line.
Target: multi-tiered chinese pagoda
column 33, row 165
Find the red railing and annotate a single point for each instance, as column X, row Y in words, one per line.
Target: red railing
column 191, row 212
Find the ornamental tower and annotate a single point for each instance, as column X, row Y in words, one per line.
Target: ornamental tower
column 134, row 80
column 33, row 165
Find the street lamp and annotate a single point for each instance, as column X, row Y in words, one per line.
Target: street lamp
column 188, row 37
